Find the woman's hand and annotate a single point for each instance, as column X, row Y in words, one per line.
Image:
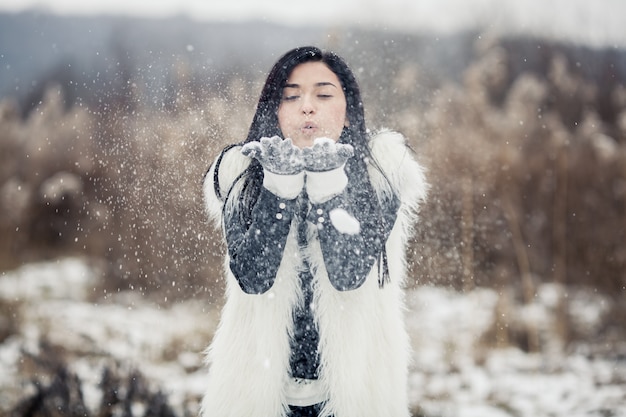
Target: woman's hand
column 283, row 166
column 278, row 156
column 326, row 155
column 324, row 166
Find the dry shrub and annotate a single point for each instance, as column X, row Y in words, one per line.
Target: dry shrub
column 46, row 165
column 153, row 165
column 121, row 183
column 58, row 391
column 508, row 163
column 528, row 181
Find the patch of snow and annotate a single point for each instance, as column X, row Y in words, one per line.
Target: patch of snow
column 453, row 375
column 57, row 187
column 344, row 222
column 165, row 344
column 70, row 279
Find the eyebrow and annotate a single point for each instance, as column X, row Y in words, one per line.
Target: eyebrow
column 320, row 84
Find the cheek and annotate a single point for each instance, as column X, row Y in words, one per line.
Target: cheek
column 340, row 116
column 283, row 119
column 287, row 111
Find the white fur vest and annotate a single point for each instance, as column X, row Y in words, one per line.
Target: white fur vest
column 364, row 347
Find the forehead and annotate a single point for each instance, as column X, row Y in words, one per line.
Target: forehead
column 311, row 73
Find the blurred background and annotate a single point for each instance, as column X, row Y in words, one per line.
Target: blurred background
column 111, row 112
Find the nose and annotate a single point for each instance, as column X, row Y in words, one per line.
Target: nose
column 307, row 106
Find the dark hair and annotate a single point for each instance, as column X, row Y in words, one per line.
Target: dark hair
column 265, row 122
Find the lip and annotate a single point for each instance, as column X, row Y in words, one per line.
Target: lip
column 308, row 127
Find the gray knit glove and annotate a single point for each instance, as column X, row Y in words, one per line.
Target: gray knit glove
column 276, row 155
column 282, row 165
column 326, row 155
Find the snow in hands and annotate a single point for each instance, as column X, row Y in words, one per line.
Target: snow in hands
column 326, row 155
column 275, row 155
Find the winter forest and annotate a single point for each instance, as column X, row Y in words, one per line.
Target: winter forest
column 110, row 272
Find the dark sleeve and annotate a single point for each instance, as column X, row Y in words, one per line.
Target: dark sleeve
column 256, row 249
column 349, row 258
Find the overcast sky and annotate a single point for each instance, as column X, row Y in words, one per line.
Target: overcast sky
column 598, row 22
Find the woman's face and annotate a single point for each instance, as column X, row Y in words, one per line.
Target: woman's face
column 313, row 105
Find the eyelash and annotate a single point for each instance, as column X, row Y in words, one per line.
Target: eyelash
column 292, row 98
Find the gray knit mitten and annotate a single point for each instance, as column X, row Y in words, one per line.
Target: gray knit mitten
column 326, row 155
column 283, row 166
column 279, row 156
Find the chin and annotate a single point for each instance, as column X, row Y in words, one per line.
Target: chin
column 304, row 142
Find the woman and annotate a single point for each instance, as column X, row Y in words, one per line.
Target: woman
column 316, row 215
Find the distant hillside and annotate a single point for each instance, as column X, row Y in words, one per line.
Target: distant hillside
column 87, row 53
column 90, row 56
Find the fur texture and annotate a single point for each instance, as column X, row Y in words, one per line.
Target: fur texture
column 365, row 349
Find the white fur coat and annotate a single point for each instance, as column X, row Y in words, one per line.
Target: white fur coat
column 364, row 347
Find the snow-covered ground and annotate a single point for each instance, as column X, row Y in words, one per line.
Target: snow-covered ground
column 455, row 372
column 456, row 375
